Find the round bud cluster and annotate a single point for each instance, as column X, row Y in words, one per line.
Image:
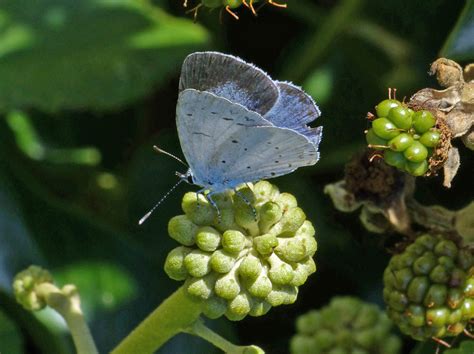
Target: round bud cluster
column 429, row 288
column 252, row 256
column 346, row 325
column 406, row 137
column 24, row 287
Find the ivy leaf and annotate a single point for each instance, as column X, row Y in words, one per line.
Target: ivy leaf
column 459, row 44
column 466, row 347
column 94, row 54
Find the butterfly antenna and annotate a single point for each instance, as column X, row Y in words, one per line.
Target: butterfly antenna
column 161, row 151
column 147, row 215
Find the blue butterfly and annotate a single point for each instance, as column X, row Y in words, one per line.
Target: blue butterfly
column 237, row 125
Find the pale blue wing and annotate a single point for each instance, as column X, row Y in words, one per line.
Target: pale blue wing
column 226, row 144
column 294, row 109
column 230, row 77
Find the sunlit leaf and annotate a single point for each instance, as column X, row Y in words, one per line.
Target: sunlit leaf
column 460, row 43
column 97, row 54
column 102, row 286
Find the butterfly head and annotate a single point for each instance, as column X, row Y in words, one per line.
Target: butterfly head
column 186, row 177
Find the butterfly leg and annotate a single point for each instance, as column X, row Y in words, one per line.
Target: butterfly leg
column 213, row 203
column 201, row 191
column 246, row 201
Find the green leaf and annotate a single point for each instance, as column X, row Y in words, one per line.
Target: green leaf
column 10, row 338
column 102, row 285
column 95, row 54
column 459, row 45
column 466, row 347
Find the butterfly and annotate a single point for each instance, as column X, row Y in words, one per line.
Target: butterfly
column 237, row 125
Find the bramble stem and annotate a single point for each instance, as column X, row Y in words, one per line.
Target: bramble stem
column 67, row 303
column 199, row 329
column 174, row 315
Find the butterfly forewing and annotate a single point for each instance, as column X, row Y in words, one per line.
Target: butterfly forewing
column 229, row 77
column 226, row 144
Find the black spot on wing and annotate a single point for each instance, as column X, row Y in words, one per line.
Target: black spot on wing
column 235, row 141
column 200, row 133
column 226, row 118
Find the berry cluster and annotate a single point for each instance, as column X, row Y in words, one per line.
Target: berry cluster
column 429, row 288
column 346, row 325
column 253, row 257
column 406, row 137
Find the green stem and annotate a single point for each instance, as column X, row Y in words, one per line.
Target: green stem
column 66, row 302
column 336, row 23
column 174, row 315
column 199, row 329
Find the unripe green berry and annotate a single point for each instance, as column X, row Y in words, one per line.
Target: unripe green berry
column 423, row 121
column 401, row 142
column 383, row 108
column 385, row 129
column 430, row 138
column 374, row 139
column 401, row 117
column 416, row 152
column 395, row 159
column 417, row 168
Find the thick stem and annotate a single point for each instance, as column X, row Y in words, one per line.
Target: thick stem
column 66, row 302
column 174, row 315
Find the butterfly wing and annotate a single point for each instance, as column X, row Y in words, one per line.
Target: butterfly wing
column 226, row 144
column 230, row 77
column 295, row 109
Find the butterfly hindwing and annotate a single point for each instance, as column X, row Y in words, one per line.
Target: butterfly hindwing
column 294, row 109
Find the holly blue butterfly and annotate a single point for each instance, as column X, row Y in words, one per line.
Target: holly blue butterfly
column 237, row 125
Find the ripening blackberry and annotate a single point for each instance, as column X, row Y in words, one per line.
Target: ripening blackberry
column 429, row 288
column 406, row 138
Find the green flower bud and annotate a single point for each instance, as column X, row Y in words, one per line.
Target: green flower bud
column 239, row 306
column 183, row 230
column 436, row 301
column 254, row 257
column 197, row 263
column 24, row 287
column 227, row 287
column 270, row 214
column 174, row 264
column 197, row 209
column 222, row 262
column 346, row 325
column 208, row 238
column 233, row 241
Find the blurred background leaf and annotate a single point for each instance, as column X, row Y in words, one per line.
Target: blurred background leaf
column 460, row 43
column 66, row 54
column 86, row 89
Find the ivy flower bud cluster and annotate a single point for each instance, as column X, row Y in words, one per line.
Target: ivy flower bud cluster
column 346, row 325
column 251, row 258
column 429, row 288
column 24, row 287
